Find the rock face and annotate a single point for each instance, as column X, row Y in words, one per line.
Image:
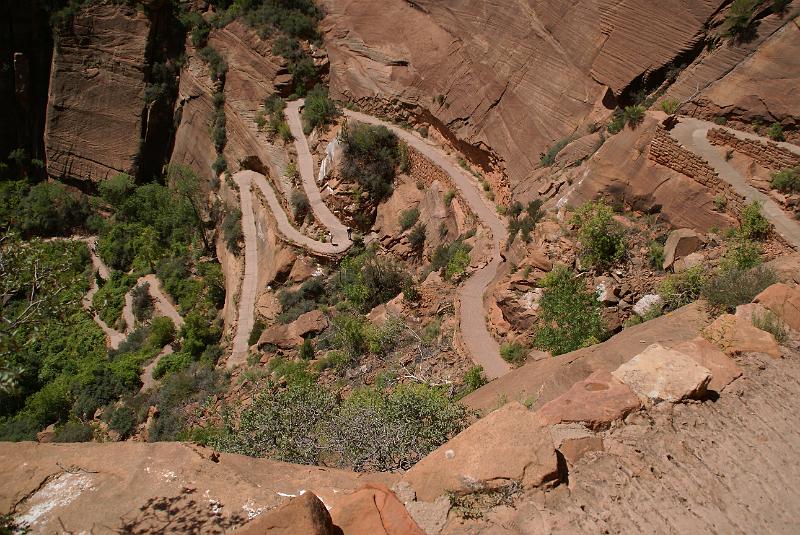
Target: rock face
column 373, row 510
column 723, row 369
column 660, row 374
column 784, row 301
column 304, row 514
column 520, row 447
column 290, row 336
column 525, row 74
column 595, row 402
column 96, row 109
column 680, row 243
column 126, row 486
column 734, row 336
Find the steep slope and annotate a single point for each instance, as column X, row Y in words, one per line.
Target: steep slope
column 506, row 79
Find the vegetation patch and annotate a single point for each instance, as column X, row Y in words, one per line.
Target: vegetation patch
column 372, row 155
column 602, row 238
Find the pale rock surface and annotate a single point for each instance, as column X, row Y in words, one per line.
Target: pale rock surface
column 659, row 374
column 735, row 336
column 784, row 301
column 512, row 443
column 648, row 303
column 723, row 369
column 680, row 243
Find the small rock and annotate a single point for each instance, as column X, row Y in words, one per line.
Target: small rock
column 660, row 374
column 648, row 303
column 734, row 336
column 303, row 514
column 723, row 369
column 680, row 243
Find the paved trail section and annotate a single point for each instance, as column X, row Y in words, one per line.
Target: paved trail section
column 250, row 284
column 305, row 164
column 692, row 134
column 480, row 344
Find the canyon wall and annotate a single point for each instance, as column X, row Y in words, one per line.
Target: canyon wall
column 96, row 97
column 504, row 79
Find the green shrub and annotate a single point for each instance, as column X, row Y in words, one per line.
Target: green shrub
column 474, row 379
column 720, row 202
column 172, row 363
column 602, row 239
column 319, row 110
column 775, row 132
column 371, row 157
column 570, row 314
column 366, row 281
column 548, row 158
column 162, row 332
column 453, row 258
column 50, row 209
column 526, row 224
column 217, row 67
column 655, row 255
column 728, row 288
column 416, row 238
column 142, row 303
column 634, row 115
column 513, row 353
column 408, row 218
column 220, row 165
column 617, row 122
column 116, row 190
column 754, row 226
column 73, row 432
column 110, row 298
column 787, row 180
column 232, row 230
column 742, row 254
column 123, row 421
column 772, row 324
column 255, row 333
column 670, row 106
column 682, row 288
column 306, row 351
column 449, row 196
column 739, row 19
column 300, row 205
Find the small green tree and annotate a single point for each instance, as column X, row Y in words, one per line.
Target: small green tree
column 739, row 19
column 787, row 180
column 513, row 353
column 570, row 314
column 408, row 218
column 602, row 239
column 634, row 115
column 775, row 132
column 754, row 226
column 318, row 110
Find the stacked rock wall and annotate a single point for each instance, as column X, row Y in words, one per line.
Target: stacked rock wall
column 769, row 155
column 666, row 151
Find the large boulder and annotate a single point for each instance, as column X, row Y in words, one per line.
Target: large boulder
column 735, row 336
column 313, row 322
column 595, row 402
column 510, row 444
column 784, row 301
column 723, row 369
column 660, row 374
column 680, row 243
column 304, row 514
column 291, row 335
column 372, row 510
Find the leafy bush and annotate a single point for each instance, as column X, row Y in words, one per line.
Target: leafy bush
column 670, row 106
column 775, row 132
column 306, row 351
column 474, row 379
column 73, row 432
column 110, row 298
column 408, row 218
column 453, row 258
column 123, row 421
column 548, row 158
column 513, row 353
column 602, row 239
column 370, row 430
column 217, row 67
column 232, row 230
column 728, row 288
column 371, row 157
column 172, row 363
column 49, row 209
column 617, row 122
column 682, row 288
column 742, row 254
column 739, row 19
column 366, row 281
column 416, row 238
column 570, row 314
column 300, row 205
column 787, row 180
column 655, row 255
column 526, row 224
column 634, row 115
column 142, row 303
column 318, row 109
column 162, row 332
column 255, row 333
column 116, row 190
column 772, row 324
column 754, row 226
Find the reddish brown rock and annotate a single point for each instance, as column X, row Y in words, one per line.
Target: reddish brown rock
column 660, row 374
column 575, row 449
column 312, row 322
column 734, row 336
column 595, row 402
column 96, row 105
column 511, row 443
column 291, row 335
column 784, row 301
column 680, row 243
column 372, row 510
column 723, row 369
column 302, row 269
column 304, row 514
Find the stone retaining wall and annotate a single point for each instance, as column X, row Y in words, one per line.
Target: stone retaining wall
column 666, row 151
column 768, row 154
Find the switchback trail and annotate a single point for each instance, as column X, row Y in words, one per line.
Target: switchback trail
column 480, row 344
column 692, row 134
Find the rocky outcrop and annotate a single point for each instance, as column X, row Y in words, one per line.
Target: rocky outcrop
column 126, row 486
column 290, row 336
column 680, row 243
column 96, row 107
column 303, row 514
column 651, row 172
column 783, row 301
column 735, row 336
column 503, row 80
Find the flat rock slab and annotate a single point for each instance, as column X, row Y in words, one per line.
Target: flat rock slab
column 723, row 369
column 734, row 335
column 372, row 510
column 510, row 444
column 784, row 301
column 596, row 401
column 660, row 374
